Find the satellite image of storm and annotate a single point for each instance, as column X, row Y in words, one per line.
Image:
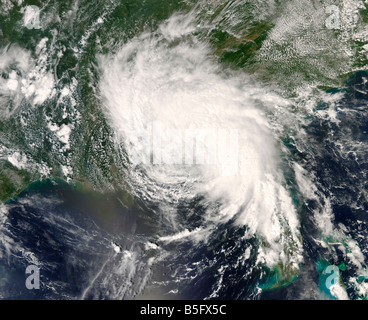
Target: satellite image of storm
column 183, row 150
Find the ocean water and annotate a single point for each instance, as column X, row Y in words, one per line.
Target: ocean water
column 104, row 193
